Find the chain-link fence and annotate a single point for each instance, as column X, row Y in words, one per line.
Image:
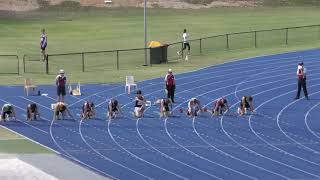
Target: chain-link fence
column 130, row 58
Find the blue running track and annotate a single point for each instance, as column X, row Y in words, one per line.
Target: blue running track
column 280, row 141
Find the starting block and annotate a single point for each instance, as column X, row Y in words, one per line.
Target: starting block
column 76, row 91
column 53, row 106
column 148, row 103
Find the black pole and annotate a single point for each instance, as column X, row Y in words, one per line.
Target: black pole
column 287, row 36
column 18, row 65
column 319, row 31
column 255, row 39
column 181, row 50
column 82, row 62
column 227, row 37
column 47, row 64
column 118, row 60
column 200, row 46
column 24, row 63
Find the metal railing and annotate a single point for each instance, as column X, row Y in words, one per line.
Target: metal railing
column 9, row 64
column 130, row 58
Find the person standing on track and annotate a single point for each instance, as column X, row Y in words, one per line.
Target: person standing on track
column 43, row 44
column 185, row 44
column 170, row 85
column 302, row 80
column 61, row 82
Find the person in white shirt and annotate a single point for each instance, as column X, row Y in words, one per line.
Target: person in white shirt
column 302, row 80
column 186, row 44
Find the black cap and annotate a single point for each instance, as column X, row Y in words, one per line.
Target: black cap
column 301, row 63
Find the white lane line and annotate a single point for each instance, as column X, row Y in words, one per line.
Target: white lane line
column 270, row 144
column 72, row 157
column 168, row 156
column 141, row 159
column 198, row 74
column 285, row 133
column 99, row 155
column 66, row 153
column 306, row 120
column 207, row 84
column 234, row 72
column 151, row 93
column 284, row 164
column 106, row 158
column 225, row 95
column 23, row 122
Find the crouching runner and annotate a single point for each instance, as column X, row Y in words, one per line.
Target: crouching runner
column 246, row 105
column 61, row 110
column 113, row 109
column 164, row 106
column 88, row 111
column 194, row 107
column 220, row 106
column 32, row 112
column 139, row 105
column 8, row 112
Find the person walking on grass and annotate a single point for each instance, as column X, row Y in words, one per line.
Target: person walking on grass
column 170, row 85
column 43, row 44
column 302, row 81
column 61, row 82
column 185, row 43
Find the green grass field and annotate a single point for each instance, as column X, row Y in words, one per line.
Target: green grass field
column 91, row 29
column 13, row 143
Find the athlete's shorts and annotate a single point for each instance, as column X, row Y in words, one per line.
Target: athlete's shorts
column 61, row 91
column 44, row 47
column 3, row 116
column 137, row 111
column 185, row 45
